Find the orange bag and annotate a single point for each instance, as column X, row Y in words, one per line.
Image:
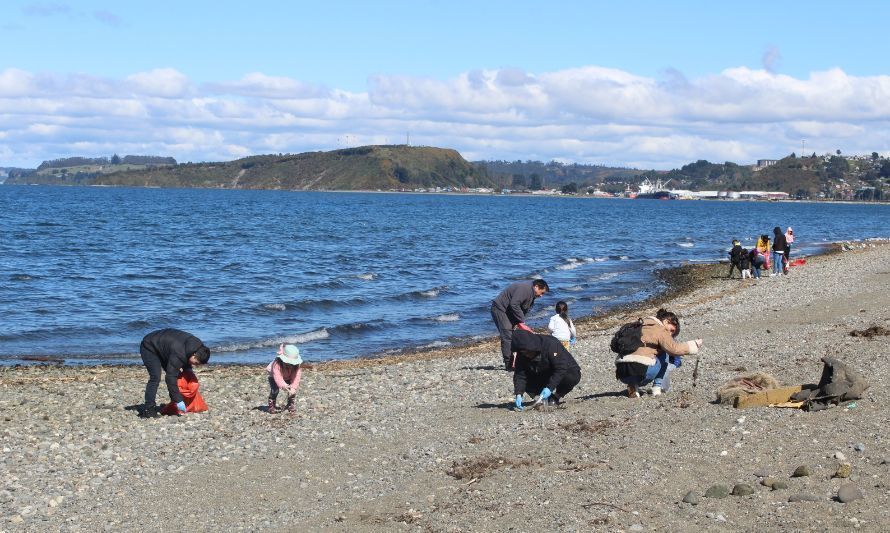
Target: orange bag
column 188, row 387
column 797, row 262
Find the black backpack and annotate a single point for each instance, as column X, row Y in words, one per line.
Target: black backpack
column 628, row 338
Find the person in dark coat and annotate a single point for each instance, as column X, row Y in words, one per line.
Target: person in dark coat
column 170, row 351
column 508, row 311
column 780, row 246
column 735, row 257
column 543, row 366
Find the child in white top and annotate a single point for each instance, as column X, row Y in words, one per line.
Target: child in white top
column 561, row 326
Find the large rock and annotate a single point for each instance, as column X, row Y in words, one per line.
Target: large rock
column 742, row 489
column 691, row 498
column 848, row 493
column 717, row 491
column 802, row 471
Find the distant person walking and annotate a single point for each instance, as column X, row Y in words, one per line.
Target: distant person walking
column 508, row 311
column 561, row 326
column 779, row 246
column 169, row 350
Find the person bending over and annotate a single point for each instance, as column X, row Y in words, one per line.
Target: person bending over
column 543, row 366
column 169, row 350
column 508, row 311
column 657, row 355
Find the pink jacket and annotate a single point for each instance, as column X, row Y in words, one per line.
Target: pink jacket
column 284, row 379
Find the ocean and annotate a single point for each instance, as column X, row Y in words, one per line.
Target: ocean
column 86, row 272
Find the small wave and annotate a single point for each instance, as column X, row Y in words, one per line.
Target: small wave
column 329, row 284
column 448, row 317
column 356, row 327
column 300, row 338
column 274, row 307
column 601, row 259
column 432, row 293
column 686, row 244
column 574, row 288
column 436, row 344
column 20, row 277
column 232, row 266
column 607, row 275
column 369, row 276
column 138, row 324
column 623, row 258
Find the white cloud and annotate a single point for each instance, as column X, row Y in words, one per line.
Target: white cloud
column 588, row 114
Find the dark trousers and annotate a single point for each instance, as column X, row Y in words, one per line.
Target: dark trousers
column 734, row 266
column 153, row 364
column 505, row 328
column 273, row 389
column 536, row 384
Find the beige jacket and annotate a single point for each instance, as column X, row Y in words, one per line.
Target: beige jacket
column 656, row 339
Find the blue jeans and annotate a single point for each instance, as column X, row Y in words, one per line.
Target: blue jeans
column 655, row 374
column 757, row 264
column 778, row 257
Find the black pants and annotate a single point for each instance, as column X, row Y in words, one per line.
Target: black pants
column 153, row 364
column 505, row 328
column 536, row 384
column 734, row 266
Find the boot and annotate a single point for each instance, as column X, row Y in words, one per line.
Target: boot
column 150, row 412
column 291, row 408
column 272, row 407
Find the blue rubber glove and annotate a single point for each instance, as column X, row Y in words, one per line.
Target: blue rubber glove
column 519, row 406
column 180, row 406
column 676, row 361
column 572, row 341
column 546, row 393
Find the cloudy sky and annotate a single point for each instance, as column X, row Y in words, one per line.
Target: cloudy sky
column 645, row 84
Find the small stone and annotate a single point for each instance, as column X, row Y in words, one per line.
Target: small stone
column 804, row 498
column 768, row 482
column 840, row 456
column 843, row 470
column 691, row 498
column 780, row 485
column 17, row 519
column 859, row 447
column 763, row 472
column 636, row 527
column 848, row 493
column 717, row 492
column 801, row 471
column 742, row 489
column 5, row 496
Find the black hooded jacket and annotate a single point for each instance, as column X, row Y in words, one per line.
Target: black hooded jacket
column 173, row 347
column 779, row 242
column 552, row 361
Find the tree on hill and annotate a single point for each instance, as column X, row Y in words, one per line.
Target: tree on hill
column 570, row 188
column 115, row 159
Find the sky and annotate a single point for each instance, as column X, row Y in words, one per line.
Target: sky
column 642, row 84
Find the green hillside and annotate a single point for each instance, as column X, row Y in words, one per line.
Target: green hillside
column 362, row 168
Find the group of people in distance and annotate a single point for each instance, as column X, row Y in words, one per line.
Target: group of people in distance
column 772, row 255
column 542, row 365
column 544, row 368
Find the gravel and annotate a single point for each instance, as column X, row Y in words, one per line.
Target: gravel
column 374, row 444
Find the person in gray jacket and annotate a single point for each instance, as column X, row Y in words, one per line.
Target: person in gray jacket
column 508, row 311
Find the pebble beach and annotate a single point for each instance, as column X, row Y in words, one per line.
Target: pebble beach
column 428, row 441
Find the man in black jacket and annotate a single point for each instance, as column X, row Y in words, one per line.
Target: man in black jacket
column 169, row 350
column 508, row 311
column 780, row 246
column 543, row 366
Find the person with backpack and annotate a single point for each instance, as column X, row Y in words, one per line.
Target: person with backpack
column 647, row 352
column 508, row 312
column 543, row 367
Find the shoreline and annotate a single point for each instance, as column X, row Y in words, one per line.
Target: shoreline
column 678, row 280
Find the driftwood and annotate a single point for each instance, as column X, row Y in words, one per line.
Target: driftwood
column 767, row 397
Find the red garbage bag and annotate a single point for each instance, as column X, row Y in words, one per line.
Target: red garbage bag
column 188, row 387
column 798, row 262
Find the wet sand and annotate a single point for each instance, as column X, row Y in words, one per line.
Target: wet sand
column 427, row 441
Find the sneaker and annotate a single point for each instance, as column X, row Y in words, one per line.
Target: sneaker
column 272, row 407
column 632, row 392
column 656, row 391
column 150, row 412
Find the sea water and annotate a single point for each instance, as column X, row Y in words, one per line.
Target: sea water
column 86, row 272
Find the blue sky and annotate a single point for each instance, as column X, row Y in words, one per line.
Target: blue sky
column 646, row 84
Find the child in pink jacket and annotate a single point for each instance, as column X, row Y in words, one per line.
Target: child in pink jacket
column 284, row 373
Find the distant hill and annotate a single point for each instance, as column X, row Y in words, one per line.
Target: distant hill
column 361, row 168
column 554, row 175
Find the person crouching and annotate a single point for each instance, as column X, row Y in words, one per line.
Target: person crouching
column 657, row 355
column 284, row 373
column 543, row 367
